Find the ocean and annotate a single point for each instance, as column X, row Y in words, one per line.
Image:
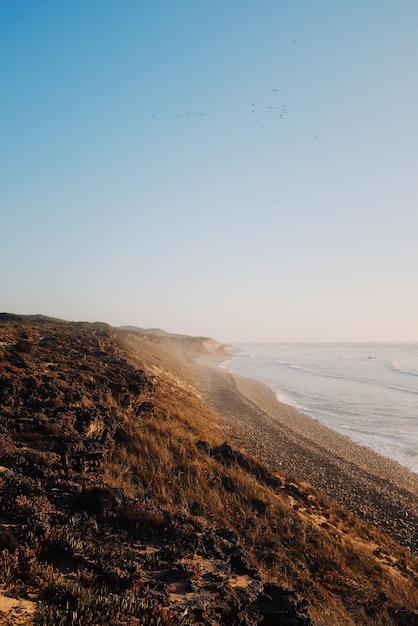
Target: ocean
column 368, row 392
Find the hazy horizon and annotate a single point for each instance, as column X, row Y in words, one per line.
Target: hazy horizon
column 234, row 170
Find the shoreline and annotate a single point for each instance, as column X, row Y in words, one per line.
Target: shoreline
column 337, row 419
column 373, row 487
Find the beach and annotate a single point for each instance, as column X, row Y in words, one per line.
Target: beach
column 373, row 487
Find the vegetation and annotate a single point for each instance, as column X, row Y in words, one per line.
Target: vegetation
column 122, row 504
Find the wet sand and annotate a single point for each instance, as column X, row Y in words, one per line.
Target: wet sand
column 373, row 487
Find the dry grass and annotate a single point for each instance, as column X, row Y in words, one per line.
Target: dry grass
column 166, row 458
column 295, row 535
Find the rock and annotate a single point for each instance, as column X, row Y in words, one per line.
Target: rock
column 277, row 605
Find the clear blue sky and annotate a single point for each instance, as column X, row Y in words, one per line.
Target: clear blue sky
column 238, row 169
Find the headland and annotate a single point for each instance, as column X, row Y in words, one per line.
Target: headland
column 141, row 484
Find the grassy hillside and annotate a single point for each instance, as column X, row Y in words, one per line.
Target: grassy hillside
column 121, row 502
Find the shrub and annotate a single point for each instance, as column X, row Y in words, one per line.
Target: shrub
column 68, row 604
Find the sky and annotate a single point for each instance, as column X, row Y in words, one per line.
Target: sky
column 228, row 168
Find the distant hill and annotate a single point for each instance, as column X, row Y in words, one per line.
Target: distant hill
column 158, row 332
column 148, row 331
column 12, row 317
column 205, row 343
column 122, row 501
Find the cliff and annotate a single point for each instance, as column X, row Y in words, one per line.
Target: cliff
column 122, row 503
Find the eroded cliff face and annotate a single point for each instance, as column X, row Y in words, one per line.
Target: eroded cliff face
column 213, row 347
column 121, row 504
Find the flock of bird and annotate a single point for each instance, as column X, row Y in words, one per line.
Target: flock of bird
column 280, row 110
column 263, row 113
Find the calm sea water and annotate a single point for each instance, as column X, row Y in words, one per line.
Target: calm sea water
column 366, row 391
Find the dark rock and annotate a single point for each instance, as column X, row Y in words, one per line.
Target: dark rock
column 403, row 617
column 145, row 408
column 226, row 455
column 203, row 446
column 277, row 605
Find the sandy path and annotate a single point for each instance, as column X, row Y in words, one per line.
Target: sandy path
column 373, row 487
column 14, row 611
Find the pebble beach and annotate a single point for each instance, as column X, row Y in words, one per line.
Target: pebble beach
column 375, row 488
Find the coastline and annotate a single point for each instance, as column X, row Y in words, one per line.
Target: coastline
column 375, row 488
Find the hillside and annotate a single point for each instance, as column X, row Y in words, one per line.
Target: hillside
column 123, row 503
